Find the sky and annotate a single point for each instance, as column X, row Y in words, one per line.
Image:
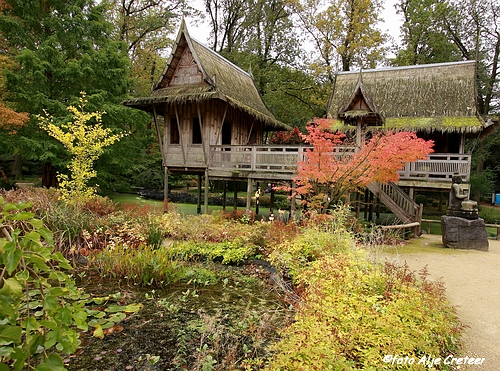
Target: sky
column 391, row 23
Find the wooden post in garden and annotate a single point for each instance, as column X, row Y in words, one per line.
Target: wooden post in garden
column 198, row 208
column 365, row 212
column 235, row 200
column 292, row 202
column 165, row 190
column 358, row 203
column 370, row 206
column 207, row 190
column 249, row 193
column 224, row 194
column 271, row 206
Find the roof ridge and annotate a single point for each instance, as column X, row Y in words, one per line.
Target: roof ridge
column 220, row 57
column 429, row 65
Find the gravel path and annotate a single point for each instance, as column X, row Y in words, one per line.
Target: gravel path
column 472, row 280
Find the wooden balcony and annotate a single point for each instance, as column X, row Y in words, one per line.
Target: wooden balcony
column 280, row 163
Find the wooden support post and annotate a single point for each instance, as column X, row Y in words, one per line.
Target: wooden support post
column 370, row 207
column 271, row 206
column 249, row 193
column 292, row 202
column 198, row 207
column 235, row 199
column 165, row 190
column 207, row 190
column 358, row 203
column 365, row 214
column 224, row 194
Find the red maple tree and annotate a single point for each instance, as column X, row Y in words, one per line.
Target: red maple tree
column 335, row 166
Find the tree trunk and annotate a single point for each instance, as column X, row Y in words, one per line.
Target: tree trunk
column 49, row 178
column 17, row 167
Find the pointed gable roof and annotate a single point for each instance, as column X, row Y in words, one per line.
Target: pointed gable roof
column 196, row 73
column 360, row 104
column 439, row 96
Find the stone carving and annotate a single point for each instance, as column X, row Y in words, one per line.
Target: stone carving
column 462, row 228
column 460, row 204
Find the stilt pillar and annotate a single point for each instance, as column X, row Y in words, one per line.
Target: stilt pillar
column 165, row 190
column 235, row 199
column 207, row 190
column 198, row 207
column 249, row 193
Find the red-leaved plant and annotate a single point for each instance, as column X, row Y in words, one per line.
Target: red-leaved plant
column 335, row 166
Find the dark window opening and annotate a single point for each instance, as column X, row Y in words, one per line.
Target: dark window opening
column 196, row 130
column 226, row 133
column 174, row 132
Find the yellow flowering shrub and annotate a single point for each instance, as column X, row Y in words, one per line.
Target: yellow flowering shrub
column 85, row 139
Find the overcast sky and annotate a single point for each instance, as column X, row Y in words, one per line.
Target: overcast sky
column 392, row 22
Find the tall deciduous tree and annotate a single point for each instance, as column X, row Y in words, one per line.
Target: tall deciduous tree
column 261, row 36
column 452, row 30
column 423, row 35
column 474, row 27
column 332, row 168
column 343, row 31
column 228, row 23
column 146, row 27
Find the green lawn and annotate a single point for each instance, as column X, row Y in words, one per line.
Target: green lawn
column 185, row 209
column 491, row 214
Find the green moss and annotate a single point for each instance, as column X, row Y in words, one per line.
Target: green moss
column 450, row 124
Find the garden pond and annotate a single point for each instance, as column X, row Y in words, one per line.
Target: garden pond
column 228, row 325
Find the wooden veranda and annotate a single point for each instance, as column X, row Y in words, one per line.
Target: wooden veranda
column 280, row 162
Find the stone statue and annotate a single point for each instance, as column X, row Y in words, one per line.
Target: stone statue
column 460, row 204
column 462, row 228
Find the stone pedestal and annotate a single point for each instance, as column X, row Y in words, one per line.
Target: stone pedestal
column 461, row 233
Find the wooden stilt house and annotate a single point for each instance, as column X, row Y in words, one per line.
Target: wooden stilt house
column 437, row 101
column 211, row 121
column 210, row 110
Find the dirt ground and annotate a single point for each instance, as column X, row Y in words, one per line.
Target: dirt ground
column 472, row 280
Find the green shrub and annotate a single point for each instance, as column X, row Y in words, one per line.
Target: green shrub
column 489, row 214
column 325, row 236
column 353, row 313
column 421, row 199
column 39, row 314
column 228, row 252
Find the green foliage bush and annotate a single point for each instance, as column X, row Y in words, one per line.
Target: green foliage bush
column 421, row 199
column 227, row 252
column 213, row 228
column 322, row 237
column 40, row 314
column 353, row 313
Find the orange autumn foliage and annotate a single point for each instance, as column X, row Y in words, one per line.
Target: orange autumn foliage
column 334, row 166
column 12, row 120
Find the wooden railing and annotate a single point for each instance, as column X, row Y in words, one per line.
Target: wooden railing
column 283, row 159
column 439, row 167
column 275, row 159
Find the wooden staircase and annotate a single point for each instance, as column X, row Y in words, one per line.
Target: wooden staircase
column 398, row 202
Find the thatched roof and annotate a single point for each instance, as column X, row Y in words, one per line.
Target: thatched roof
column 429, row 97
column 218, row 78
